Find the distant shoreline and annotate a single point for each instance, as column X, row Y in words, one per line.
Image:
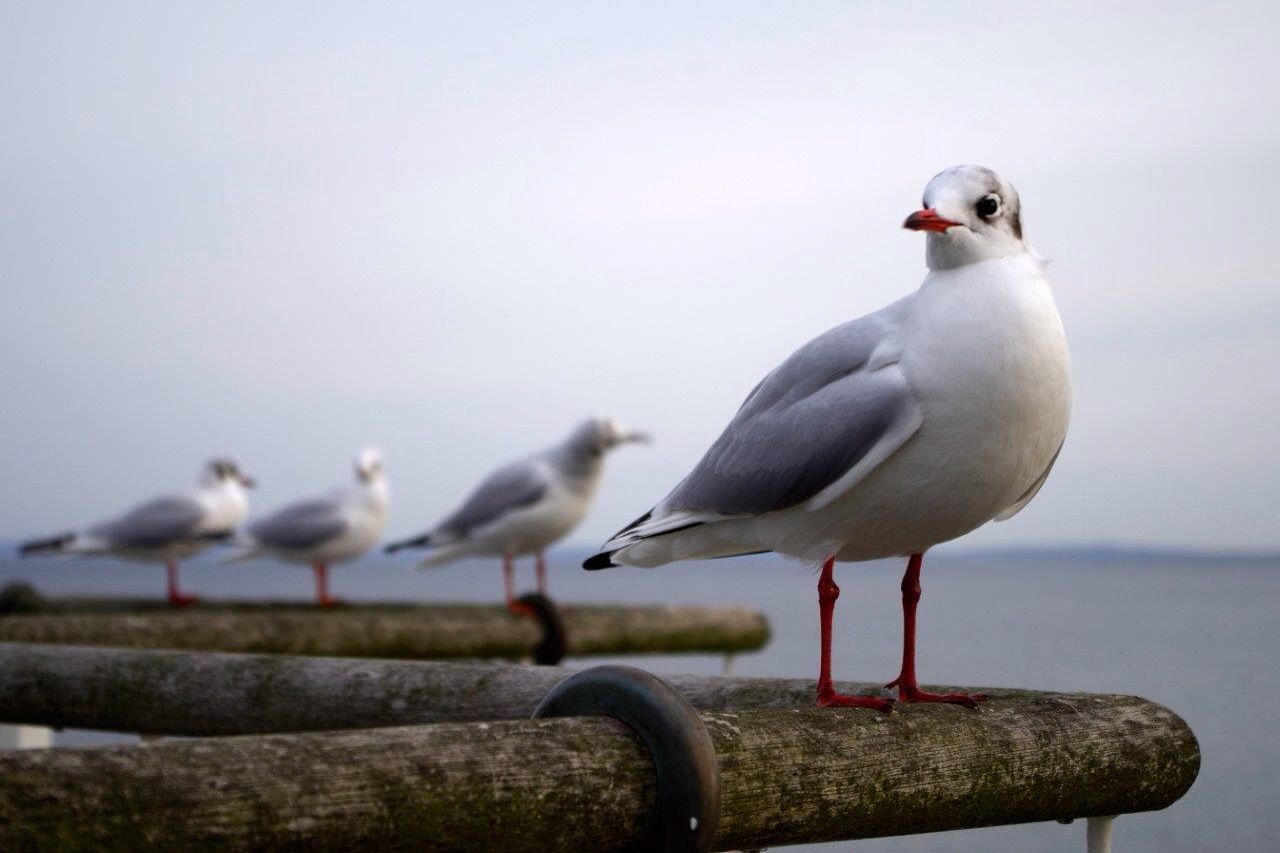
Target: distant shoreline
column 1134, row 553
column 1091, row 553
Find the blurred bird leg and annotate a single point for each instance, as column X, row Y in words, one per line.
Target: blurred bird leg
column 322, row 585
column 509, row 584
column 176, row 597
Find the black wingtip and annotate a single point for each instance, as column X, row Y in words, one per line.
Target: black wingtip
column 40, row 546
column 599, row 561
column 419, row 542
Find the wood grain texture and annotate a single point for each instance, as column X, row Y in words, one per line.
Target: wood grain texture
column 788, row 777
column 208, row 693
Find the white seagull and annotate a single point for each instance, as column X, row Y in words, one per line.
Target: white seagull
column 327, row 530
column 894, row 432
column 525, row 506
column 165, row 529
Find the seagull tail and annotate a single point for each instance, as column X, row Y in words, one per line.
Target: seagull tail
column 246, row 549
column 50, row 545
column 663, row 536
column 443, row 553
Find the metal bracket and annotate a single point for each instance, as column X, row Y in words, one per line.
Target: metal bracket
column 684, row 757
column 551, row 648
column 20, row 597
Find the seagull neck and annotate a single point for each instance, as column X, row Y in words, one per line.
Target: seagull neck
column 374, row 493
column 948, row 251
column 1016, row 266
column 223, row 493
column 578, row 461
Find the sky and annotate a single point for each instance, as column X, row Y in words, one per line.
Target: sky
column 285, row 231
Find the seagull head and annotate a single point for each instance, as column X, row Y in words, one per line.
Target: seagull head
column 369, row 465
column 597, row 435
column 220, row 471
column 970, row 214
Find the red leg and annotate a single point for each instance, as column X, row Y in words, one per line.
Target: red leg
column 828, row 592
column 322, row 585
column 542, row 574
column 509, row 585
column 908, row 689
column 176, row 597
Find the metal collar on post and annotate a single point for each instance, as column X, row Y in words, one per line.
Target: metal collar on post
column 554, row 642
column 684, row 757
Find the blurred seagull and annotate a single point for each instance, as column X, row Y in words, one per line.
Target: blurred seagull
column 327, row 530
column 902, row 429
column 526, row 506
column 165, row 529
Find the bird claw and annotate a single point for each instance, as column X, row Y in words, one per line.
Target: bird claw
column 832, row 699
column 915, row 694
column 182, row 600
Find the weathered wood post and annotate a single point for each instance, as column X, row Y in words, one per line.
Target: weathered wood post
column 786, row 776
column 200, row 693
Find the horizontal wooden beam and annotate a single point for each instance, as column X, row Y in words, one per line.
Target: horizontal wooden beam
column 381, row 630
column 202, row 693
column 786, row 777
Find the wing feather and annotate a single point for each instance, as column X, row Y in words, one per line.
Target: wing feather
column 510, row 488
column 306, row 524
column 808, row 433
column 833, row 404
column 154, row 523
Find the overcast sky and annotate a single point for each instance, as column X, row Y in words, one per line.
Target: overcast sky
column 282, row 231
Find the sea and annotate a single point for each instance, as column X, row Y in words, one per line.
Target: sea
column 1198, row 633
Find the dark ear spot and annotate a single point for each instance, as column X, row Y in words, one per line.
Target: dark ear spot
column 1015, row 222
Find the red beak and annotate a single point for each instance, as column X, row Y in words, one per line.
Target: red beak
column 928, row 220
column 248, row 482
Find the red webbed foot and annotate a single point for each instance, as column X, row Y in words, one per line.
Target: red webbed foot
column 180, row 599
column 913, row 693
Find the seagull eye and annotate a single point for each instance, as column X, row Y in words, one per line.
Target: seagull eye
column 988, row 206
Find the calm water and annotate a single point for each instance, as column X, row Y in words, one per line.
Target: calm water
column 1197, row 635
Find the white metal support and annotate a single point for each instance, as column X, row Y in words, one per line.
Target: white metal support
column 25, row 737
column 1099, row 834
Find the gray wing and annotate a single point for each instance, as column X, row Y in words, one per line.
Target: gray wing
column 301, row 525
column 154, row 523
column 815, row 426
column 512, row 487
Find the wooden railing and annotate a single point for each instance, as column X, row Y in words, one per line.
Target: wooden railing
column 472, row 770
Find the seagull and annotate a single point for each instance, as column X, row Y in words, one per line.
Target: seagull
column 527, row 505
column 165, row 529
column 327, row 530
column 891, row 433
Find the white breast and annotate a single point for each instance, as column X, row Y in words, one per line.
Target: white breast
column 986, row 355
